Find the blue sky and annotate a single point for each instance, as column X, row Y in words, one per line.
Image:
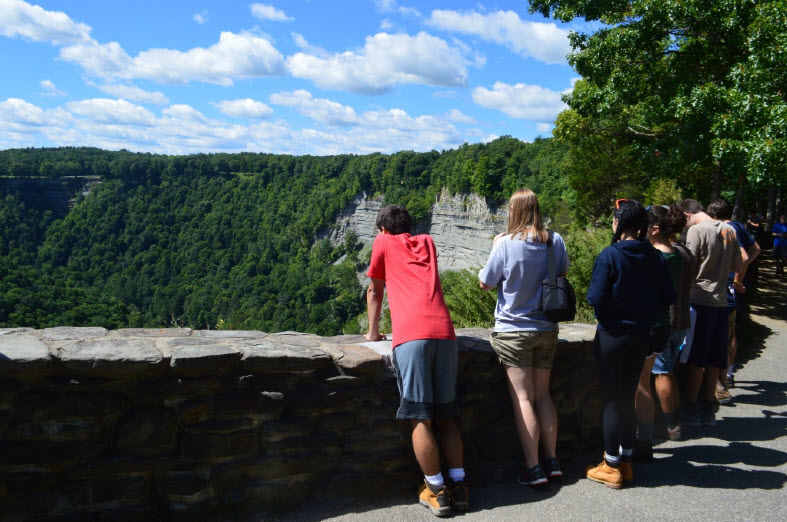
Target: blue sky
column 298, row 76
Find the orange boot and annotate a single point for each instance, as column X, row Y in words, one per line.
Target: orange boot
column 605, row 474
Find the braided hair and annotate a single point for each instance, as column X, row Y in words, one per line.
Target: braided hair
column 669, row 219
column 631, row 216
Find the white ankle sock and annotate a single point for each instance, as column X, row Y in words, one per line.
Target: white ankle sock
column 456, row 474
column 435, row 480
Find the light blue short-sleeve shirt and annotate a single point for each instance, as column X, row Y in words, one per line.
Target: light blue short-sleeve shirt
column 517, row 268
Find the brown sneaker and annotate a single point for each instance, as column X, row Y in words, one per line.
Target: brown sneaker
column 627, row 472
column 459, row 494
column 605, row 474
column 675, row 432
column 435, row 498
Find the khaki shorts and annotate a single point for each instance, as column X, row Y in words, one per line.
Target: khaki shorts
column 526, row 349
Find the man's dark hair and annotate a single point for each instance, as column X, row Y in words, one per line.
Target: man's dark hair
column 691, row 206
column 395, row 219
column 720, row 210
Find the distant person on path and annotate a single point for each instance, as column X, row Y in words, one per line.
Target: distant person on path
column 425, row 353
column 663, row 223
column 629, row 290
column 780, row 244
column 737, row 286
column 754, row 224
column 524, row 339
column 714, row 246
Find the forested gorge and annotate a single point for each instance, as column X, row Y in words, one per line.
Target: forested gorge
column 223, row 241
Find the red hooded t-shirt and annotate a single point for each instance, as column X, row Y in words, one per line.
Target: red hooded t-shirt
column 408, row 265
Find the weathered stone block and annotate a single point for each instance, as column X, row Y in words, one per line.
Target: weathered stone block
column 183, row 483
column 63, row 430
column 312, row 404
column 49, row 406
column 266, row 403
column 336, row 422
column 213, row 359
column 328, row 444
column 194, row 410
column 218, row 426
column 231, row 334
column 178, row 389
column 295, row 339
column 356, row 360
column 270, row 467
column 211, row 446
column 279, row 357
column 154, row 332
column 112, row 358
column 147, row 432
column 23, row 353
column 274, row 495
column 275, row 431
column 68, row 333
column 53, row 455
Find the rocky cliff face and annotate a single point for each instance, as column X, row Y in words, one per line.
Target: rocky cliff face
column 461, row 225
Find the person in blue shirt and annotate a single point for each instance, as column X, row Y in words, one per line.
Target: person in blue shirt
column 624, row 272
column 780, row 244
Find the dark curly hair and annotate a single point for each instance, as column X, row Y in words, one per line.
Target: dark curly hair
column 631, row 216
column 669, row 219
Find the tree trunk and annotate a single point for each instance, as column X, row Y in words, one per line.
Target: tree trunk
column 771, row 216
column 737, row 211
column 716, row 191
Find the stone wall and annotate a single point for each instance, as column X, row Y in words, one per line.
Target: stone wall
column 173, row 423
column 461, row 225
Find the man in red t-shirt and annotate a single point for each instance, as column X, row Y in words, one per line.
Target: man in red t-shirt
column 425, row 352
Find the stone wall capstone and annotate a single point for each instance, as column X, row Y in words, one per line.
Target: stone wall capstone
column 141, row 424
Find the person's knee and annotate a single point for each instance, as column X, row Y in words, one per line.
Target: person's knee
column 425, row 423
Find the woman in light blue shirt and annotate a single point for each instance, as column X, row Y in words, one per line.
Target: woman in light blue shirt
column 524, row 340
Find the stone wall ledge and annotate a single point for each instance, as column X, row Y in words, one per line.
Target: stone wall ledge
column 134, row 350
column 181, row 423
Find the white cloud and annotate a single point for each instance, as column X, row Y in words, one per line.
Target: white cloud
column 308, row 48
column 544, row 128
column 320, row 109
column 182, row 129
column 20, row 116
column 527, row 102
column 458, row 116
column 543, row 41
column 201, row 17
column 234, row 56
column 386, row 25
column 385, row 60
column 391, row 6
column 114, row 112
column 20, row 19
column 268, row 12
column 133, row 93
column 245, row 108
column 49, row 89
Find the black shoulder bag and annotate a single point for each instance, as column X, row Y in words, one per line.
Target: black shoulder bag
column 558, row 300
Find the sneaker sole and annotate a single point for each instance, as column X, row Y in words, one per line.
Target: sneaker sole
column 556, row 475
column 460, row 506
column 611, row 485
column 438, row 512
column 539, row 482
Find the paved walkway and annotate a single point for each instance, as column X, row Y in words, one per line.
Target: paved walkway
column 734, row 471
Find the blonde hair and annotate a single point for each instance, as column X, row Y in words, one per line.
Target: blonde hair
column 524, row 216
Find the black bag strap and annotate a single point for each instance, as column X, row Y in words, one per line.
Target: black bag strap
column 551, row 259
